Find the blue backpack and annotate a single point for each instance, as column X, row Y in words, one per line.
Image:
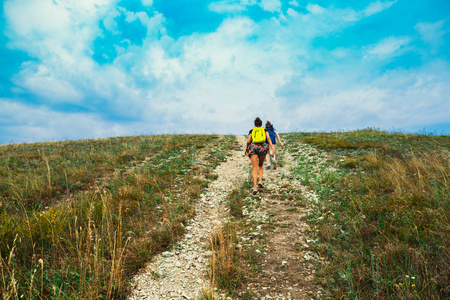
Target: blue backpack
column 271, row 133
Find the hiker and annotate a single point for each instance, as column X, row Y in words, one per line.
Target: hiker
column 258, row 144
column 273, row 135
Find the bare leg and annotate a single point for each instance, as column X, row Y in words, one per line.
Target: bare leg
column 274, row 162
column 268, row 157
column 274, row 146
column 261, row 168
column 254, row 159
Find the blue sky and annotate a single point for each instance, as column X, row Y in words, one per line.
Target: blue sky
column 100, row 68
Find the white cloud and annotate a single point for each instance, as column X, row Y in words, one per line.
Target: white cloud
column 109, row 21
column 378, row 6
column 315, row 9
column 222, row 73
column 34, row 18
column 389, row 47
column 53, row 25
column 353, row 98
column 271, row 5
column 230, row 6
column 294, row 3
column 351, row 15
column 46, row 85
column 33, row 124
column 226, row 6
column 292, row 13
column 133, row 16
column 431, row 33
column 65, row 72
column 147, row 2
column 318, row 22
column 162, row 68
column 340, row 53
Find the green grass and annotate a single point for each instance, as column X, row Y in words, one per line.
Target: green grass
column 383, row 214
column 78, row 219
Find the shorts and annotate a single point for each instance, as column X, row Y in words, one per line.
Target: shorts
column 258, row 149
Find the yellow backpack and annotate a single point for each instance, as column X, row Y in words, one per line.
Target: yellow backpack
column 258, row 135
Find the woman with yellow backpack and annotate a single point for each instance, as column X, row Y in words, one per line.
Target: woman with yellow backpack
column 258, row 144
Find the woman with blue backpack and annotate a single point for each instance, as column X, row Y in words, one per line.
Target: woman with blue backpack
column 273, row 134
column 258, row 145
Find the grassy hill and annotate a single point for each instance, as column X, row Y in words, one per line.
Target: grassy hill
column 78, row 219
column 382, row 221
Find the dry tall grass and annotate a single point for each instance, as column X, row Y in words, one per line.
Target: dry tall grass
column 227, row 271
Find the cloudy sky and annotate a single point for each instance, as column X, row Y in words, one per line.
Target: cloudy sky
column 98, row 68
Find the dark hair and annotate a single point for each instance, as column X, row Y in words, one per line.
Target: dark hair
column 268, row 123
column 258, row 122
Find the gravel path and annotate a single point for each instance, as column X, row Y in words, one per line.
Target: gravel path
column 182, row 273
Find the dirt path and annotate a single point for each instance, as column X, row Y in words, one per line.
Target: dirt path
column 279, row 237
column 276, row 231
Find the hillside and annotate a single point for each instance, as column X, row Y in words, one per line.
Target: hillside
column 355, row 214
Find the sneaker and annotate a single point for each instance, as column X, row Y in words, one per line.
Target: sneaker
column 268, row 168
column 255, row 191
column 260, row 185
column 274, row 163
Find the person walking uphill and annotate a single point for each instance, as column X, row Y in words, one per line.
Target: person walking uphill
column 258, row 144
column 273, row 135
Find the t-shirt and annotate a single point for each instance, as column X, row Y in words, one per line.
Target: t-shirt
column 265, row 130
